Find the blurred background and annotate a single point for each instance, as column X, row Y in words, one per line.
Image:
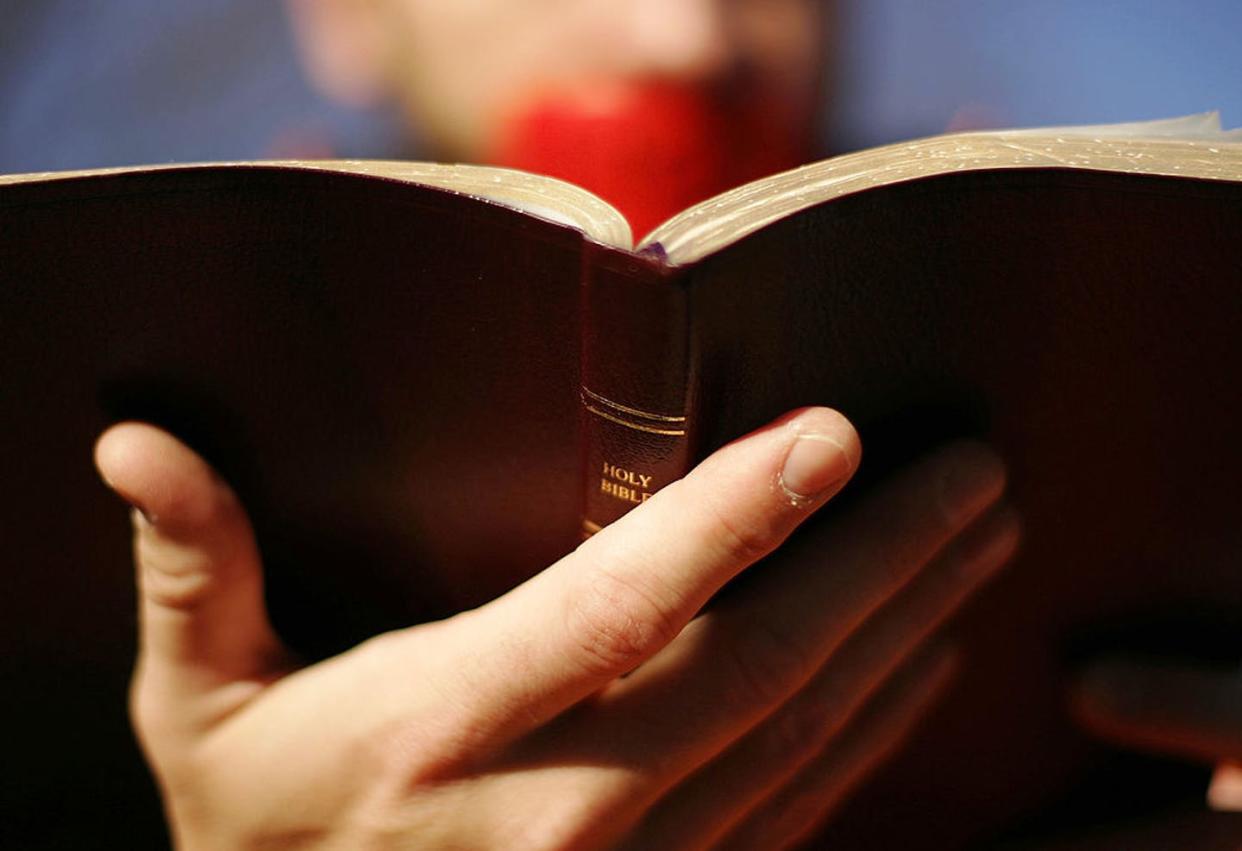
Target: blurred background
column 87, row 83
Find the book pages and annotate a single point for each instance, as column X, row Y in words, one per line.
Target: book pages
column 1193, row 146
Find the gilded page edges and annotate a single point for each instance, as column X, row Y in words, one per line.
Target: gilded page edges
column 1189, row 147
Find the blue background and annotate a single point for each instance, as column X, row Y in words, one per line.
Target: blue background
column 88, row 83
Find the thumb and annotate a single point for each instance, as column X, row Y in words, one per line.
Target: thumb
column 203, row 624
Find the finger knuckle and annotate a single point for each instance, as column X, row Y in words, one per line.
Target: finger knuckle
column 179, row 582
column 615, row 622
column 178, row 593
column 183, row 577
column 768, row 662
column 571, row 821
column 794, row 734
column 743, row 539
column 400, row 756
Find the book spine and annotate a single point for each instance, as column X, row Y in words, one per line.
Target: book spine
column 636, row 382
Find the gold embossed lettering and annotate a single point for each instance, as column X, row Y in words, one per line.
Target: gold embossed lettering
column 626, row 485
column 629, row 477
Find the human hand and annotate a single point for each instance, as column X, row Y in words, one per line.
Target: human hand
column 1176, row 709
column 594, row 705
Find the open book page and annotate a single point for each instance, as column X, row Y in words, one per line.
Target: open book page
column 545, row 197
column 1192, row 146
column 1201, row 125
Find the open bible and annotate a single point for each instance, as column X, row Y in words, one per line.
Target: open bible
column 428, row 382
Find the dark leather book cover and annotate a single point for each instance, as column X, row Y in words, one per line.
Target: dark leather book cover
column 387, row 374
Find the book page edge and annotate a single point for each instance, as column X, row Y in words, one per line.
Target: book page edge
column 543, row 197
column 1185, row 147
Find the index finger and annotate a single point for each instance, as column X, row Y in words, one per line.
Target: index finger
column 630, row 589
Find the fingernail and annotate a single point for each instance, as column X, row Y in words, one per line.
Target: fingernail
column 814, row 464
column 976, row 479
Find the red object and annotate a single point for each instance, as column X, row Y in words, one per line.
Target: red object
column 650, row 148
